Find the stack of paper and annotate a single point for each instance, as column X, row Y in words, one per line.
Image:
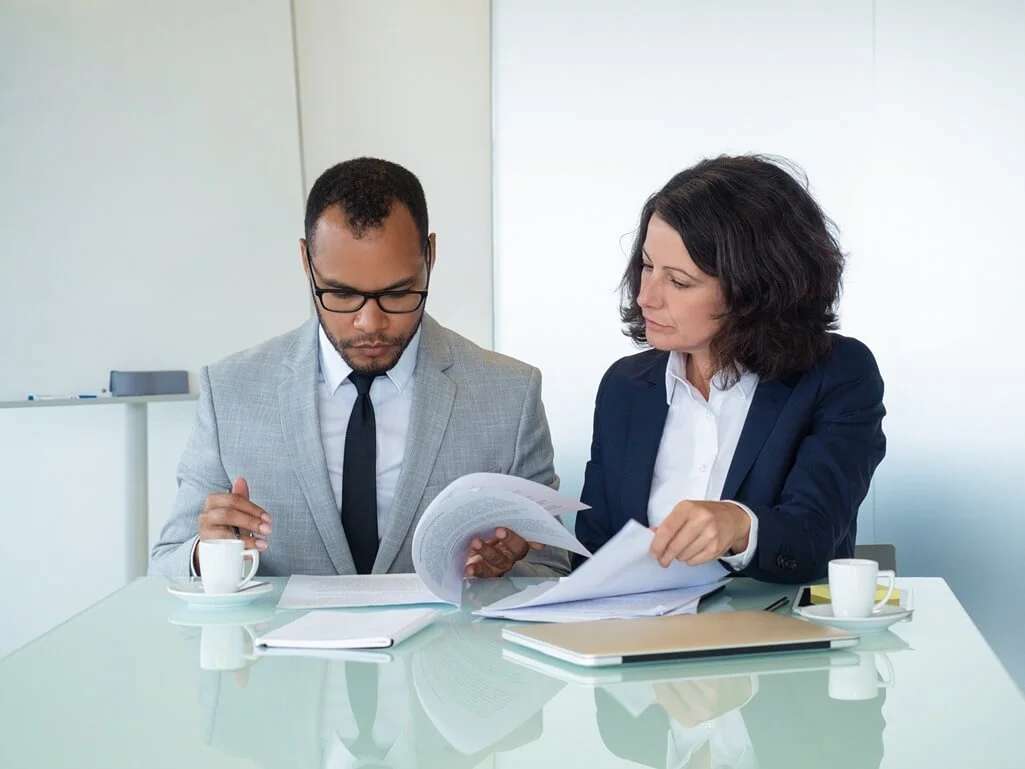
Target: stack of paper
column 621, row 580
column 471, row 506
column 656, row 604
column 355, row 590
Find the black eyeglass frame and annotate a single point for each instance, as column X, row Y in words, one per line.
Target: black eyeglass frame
column 368, row 295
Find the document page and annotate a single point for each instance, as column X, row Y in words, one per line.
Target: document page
column 343, row 592
column 547, row 497
column 623, row 566
column 473, row 696
column 654, row 604
column 452, row 520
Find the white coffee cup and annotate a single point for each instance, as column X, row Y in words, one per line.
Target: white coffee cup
column 861, row 681
column 225, row 647
column 852, row 586
column 221, row 564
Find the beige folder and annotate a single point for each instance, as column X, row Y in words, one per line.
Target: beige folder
column 693, row 636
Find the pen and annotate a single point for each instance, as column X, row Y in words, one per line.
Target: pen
column 779, row 604
column 33, row 397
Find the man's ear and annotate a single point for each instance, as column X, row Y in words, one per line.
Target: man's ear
column 432, row 251
column 302, row 256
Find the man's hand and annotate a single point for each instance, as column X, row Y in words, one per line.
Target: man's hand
column 698, row 532
column 222, row 512
column 494, row 557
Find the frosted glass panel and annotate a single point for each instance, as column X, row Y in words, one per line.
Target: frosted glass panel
column 909, row 119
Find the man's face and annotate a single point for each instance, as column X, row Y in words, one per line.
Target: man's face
column 389, row 258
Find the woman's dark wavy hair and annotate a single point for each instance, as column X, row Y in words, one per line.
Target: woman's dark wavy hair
column 751, row 224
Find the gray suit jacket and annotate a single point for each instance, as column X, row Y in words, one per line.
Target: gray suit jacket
column 473, row 410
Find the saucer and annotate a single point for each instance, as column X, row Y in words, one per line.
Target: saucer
column 192, row 593
column 880, row 619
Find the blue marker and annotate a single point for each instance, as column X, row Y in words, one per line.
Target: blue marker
column 32, row 397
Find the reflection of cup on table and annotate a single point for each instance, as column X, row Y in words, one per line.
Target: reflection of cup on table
column 852, row 587
column 222, row 565
column 226, row 647
column 861, row 681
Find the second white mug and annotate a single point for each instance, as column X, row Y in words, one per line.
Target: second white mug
column 852, row 587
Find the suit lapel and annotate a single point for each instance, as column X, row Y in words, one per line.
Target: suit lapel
column 648, row 410
column 769, row 399
column 433, row 397
column 297, row 399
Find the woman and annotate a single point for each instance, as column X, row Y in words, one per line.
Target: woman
column 749, row 432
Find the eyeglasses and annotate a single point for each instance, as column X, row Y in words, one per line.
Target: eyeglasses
column 349, row 301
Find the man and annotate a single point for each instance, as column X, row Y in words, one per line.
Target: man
column 321, row 448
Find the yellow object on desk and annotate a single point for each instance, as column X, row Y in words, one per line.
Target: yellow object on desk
column 820, row 594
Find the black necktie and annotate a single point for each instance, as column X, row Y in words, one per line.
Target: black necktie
column 361, row 684
column 359, row 477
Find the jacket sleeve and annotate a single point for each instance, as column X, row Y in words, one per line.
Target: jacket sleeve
column 200, row 473
column 830, row 476
column 534, row 459
column 594, row 526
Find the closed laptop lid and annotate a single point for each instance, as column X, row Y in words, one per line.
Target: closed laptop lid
column 695, row 636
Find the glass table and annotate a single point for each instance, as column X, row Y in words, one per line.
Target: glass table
column 141, row 679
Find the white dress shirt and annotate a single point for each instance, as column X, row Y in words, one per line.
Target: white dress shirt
column 698, row 443
column 392, row 396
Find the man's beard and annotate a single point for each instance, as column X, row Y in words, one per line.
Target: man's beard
column 380, row 366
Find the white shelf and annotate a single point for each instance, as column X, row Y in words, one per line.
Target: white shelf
column 137, row 465
column 106, row 401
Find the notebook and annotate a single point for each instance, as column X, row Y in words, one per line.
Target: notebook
column 820, row 594
column 659, row 639
column 349, row 630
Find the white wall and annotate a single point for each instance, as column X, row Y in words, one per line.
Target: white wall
column 150, row 198
column 942, row 300
column 597, row 104
column 410, row 82
column 154, row 170
column 908, row 119
column 908, row 126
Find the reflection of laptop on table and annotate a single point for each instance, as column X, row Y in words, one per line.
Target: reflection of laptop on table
column 695, row 670
column 662, row 639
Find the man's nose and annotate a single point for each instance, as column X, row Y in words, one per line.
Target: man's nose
column 370, row 317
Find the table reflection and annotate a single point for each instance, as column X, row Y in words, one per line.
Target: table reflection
column 444, row 698
column 769, row 718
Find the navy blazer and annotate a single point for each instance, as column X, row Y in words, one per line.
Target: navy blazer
column 803, row 463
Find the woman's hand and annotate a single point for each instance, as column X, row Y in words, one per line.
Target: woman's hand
column 697, row 532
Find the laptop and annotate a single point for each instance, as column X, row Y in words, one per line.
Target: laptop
column 661, row 639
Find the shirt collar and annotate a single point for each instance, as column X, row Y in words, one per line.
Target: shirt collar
column 676, row 374
column 335, row 370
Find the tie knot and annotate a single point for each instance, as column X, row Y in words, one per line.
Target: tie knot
column 362, row 381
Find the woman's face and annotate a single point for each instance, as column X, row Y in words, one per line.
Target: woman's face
column 680, row 303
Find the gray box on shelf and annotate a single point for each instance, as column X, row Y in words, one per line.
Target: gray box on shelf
column 125, row 383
